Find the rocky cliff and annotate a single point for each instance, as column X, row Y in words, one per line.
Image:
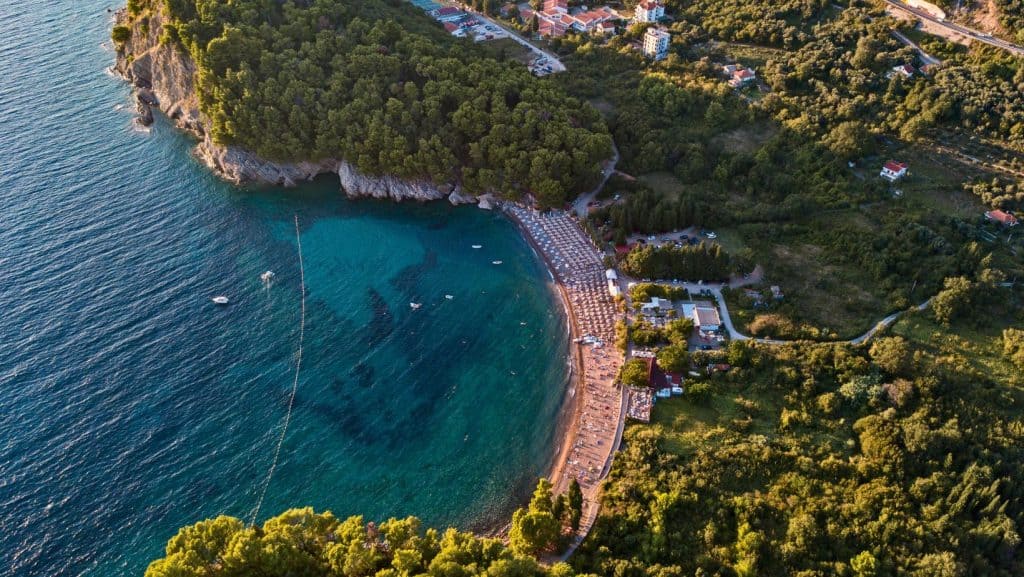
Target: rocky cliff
column 164, row 77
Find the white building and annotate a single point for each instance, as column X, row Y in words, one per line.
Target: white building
column 649, row 11
column 893, row 171
column 656, row 306
column 656, row 43
column 706, row 319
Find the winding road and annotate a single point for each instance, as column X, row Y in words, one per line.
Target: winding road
column 716, row 290
column 580, row 207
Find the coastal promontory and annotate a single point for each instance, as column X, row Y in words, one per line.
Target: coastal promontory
column 379, row 95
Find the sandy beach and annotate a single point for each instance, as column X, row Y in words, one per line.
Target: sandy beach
column 597, row 412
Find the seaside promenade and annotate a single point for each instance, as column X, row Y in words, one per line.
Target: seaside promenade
column 599, row 405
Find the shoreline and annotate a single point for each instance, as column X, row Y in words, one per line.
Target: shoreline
column 571, row 408
column 590, row 439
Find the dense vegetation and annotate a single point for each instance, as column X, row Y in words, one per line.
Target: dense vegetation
column 690, row 262
column 381, row 86
column 301, row 542
column 901, row 458
column 768, row 164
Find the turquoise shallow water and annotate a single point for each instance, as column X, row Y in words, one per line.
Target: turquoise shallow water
column 130, row 405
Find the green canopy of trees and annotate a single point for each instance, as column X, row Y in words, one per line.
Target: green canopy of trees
column 824, row 463
column 301, row 542
column 700, row 262
column 380, row 85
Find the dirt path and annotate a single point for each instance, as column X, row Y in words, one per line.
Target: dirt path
column 580, row 207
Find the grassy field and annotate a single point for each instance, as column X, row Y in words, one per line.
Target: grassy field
column 746, row 139
column 681, row 424
column 747, row 54
column 979, row 346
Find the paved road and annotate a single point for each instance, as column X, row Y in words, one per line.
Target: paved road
column 958, row 29
column 928, row 59
column 556, row 64
column 716, row 290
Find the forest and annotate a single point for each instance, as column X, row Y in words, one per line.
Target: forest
column 379, row 84
column 901, row 457
column 301, row 542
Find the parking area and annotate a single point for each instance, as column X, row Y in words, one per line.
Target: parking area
column 484, row 31
column 689, row 236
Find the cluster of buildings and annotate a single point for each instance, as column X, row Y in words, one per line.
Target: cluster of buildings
column 556, row 20
column 704, row 315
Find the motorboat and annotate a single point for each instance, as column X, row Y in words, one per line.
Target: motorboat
column 495, row 262
column 267, row 276
column 221, row 300
column 415, row 306
column 449, row 297
column 478, row 246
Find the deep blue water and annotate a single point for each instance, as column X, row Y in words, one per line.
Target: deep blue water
column 131, row 405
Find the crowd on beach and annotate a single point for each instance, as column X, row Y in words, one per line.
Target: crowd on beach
column 577, row 266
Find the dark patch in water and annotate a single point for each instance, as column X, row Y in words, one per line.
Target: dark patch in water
column 381, row 324
column 407, row 279
column 364, row 375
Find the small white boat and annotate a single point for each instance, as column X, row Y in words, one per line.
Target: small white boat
column 267, row 276
column 221, row 300
column 415, row 306
column 478, row 246
column 495, row 262
column 449, row 297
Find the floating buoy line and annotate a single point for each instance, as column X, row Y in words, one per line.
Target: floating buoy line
column 266, row 278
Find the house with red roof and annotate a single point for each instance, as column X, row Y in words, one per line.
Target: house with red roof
column 893, row 171
column 739, row 76
column 649, row 11
column 904, row 70
column 556, row 19
column 1003, row 218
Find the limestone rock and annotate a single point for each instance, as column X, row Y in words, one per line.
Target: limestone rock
column 486, row 201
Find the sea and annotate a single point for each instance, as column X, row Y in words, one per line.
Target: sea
column 132, row 405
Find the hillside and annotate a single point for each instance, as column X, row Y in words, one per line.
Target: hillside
column 376, row 84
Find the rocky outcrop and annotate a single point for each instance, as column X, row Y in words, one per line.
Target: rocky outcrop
column 164, row 73
column 487, row 201
column 241, row 166
column 356, row 184
column 164, row 76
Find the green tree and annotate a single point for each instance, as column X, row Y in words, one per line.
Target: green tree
column 1013, row 346
column 674, row 358
column 535, row 528
column 634, row 373
column 121, row 34
column 575, row 504
column 864, row 565
column 954, row 300
column 891, row 354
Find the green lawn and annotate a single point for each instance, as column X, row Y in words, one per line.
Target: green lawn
column 681, row 424
column 981, row 346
